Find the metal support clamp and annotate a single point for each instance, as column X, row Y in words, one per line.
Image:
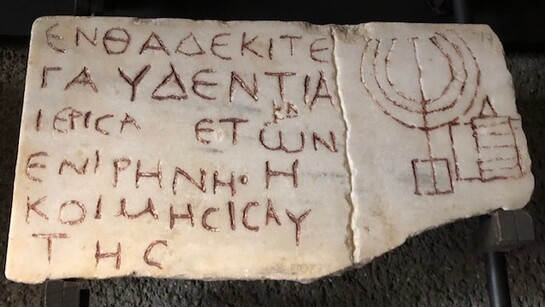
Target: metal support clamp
column 65, row 293
column 500, row 232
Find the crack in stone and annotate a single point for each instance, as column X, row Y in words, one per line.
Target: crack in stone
column 351, row 240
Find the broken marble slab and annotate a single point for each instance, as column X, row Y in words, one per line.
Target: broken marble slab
column 251, row 150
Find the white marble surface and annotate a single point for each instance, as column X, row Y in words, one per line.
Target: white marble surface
column 387, row 130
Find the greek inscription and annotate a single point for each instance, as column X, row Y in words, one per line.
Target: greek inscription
column 45, row 74
column 116, row 41
column 58, row 118
column 148, row 251
column 33, row 206
column 87, row 118
column 270, row 49
column 136, row 81
column 39, row 120
column 280, row 77
column 79, row 170
column 92, row 41
column 232, row 217
column 31, row 165
column 74, row 114
column 283, row 111
column 129, row 120
column 281, row 145
column 150, row 208
column 204, row 220
column 245, row 214
column 175, row 216
column 231, row 183
column 83, row 78
column 215, row 44
column 297, row 221
column 102, row 255
column 98, row 211
column 235, row 122
column 70, row 119
column 291, row 39
column 178, row 171
column 202, row 83
column 316, row 49
column 120, row 165
column 246, row 45
column 235, row 78
column 199, row 130
column 49, row 238
column 157, row 174
column 51, row 37
column 97, row 161
column 154, row 42
column 271, row 213
column 98, row 122
column 172, row 78
column 269, row 173
column 331, row 146
column 306, row 89
column 75, row 221
column 211, row 188
column 188, row 39
column 322, row 92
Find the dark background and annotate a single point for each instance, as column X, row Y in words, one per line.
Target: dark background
column 438, row 268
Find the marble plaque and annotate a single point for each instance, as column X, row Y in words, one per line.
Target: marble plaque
column 251, row 150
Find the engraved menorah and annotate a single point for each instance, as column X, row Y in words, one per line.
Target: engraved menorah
column 435, row 82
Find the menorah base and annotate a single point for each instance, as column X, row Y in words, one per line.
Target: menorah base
column 432, row 176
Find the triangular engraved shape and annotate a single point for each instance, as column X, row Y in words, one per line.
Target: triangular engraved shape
column 190, row 46
column 171, row 83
